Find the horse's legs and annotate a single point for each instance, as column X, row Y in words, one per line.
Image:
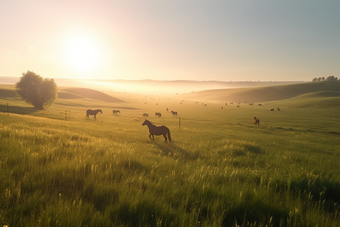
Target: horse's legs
column 151, row 137
column 166, row 140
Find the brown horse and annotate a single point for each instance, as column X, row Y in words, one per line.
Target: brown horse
column 158, row 114
column 256, row 121
column 115, row 111
column 157, row 130
column 92, row 112
column 174, row 113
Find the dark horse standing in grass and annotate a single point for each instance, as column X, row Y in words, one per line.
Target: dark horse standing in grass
column 157, row 130
column 256, row 121
column 92, row 112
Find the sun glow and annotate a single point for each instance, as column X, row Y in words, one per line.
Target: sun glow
column 82, row 55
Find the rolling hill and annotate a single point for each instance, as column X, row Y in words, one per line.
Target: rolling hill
column 262, row 94
column 7, row 91
column 77, row 93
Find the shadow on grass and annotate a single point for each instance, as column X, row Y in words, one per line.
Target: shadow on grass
column 6, row 93
column 134, row 166
column 315, row 189
column 253, row 213
column 176, row 152
column 17, row 109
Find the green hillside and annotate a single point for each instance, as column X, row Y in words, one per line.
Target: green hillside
column 263, row 94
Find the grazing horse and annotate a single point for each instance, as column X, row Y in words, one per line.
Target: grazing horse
column 116, row 111
column 256, row 121
column 145, row 114
column 158, row 114
column 157, row 130
column 174, row 113
column 271, row 109
column 92, row 112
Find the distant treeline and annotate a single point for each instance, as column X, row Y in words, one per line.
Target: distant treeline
column 330, row 78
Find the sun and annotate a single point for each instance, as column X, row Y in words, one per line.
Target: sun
column 82, row 55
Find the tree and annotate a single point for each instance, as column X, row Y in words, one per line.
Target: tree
column 37, row 91
column 332, row 78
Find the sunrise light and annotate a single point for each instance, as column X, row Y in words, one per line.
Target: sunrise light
column 82, row 54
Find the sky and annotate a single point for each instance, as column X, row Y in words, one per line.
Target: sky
column 218, row 40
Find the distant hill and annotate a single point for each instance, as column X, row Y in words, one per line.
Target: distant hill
column 320, row 99
column 261, row 94
column 159, row 87
column 7, row 91
column 78, row 93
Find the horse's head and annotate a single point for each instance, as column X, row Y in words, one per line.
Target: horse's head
column 146, row 122
column 100, row 111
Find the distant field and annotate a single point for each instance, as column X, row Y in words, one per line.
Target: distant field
column 262, row 94
column 58, row 168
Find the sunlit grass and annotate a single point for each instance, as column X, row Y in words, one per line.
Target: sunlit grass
column 220, row 169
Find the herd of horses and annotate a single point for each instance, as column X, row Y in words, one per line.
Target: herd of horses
column 95, row 112
column 153, row 129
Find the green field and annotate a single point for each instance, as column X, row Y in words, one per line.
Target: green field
column 58, row 168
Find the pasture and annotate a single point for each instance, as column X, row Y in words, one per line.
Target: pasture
column 58, row 168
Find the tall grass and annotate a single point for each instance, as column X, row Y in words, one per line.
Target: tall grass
column 220, row 170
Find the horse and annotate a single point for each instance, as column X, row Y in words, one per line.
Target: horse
column 157, row 130
column 271, row 109
column 278, row 109
column 92, row 112
column 174, row 113
column 145, row 114
column 256, row 121
column 158, row 114
column 116, row 111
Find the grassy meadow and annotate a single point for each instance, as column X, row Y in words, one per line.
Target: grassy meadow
column 58, row 168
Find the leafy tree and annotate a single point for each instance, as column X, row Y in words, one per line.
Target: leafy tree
column 329, row 78
column 37, row 91
column 332, row 78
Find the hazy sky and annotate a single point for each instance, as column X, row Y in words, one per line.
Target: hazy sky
column 224, row 40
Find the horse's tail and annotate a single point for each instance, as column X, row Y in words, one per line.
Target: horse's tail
column 169, row 135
